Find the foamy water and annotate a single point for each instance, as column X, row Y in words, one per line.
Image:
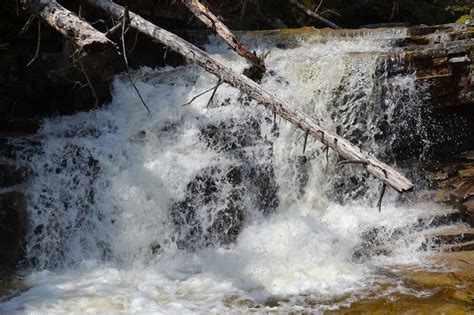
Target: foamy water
column 108, row 232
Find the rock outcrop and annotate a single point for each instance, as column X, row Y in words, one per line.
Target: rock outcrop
column 452, row 182
column 440, row 57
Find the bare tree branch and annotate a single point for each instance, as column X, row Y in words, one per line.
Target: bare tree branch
column 313, row 14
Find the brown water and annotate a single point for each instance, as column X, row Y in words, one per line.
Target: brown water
column 452, row 290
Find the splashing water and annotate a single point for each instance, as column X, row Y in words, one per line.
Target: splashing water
column 197, row 208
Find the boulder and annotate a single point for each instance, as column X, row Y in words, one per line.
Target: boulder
column 212, row 213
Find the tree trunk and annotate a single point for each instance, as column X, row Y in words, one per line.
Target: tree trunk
column 214, row 23
column 312, row 14
column 68, row 24
column 348, row 151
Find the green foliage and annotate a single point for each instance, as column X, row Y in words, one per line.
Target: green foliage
column 458, row 8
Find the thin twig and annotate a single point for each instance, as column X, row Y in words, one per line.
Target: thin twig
column 38, row 45
column 124, row 20
column 113, row 29
column 248, row 114
column 379, row 203
column 124, row 51
column 83, row 70
column 134, row 43
column 330, row 12
column 214, row 92
column 103, row 22
column 200, row 94
column 77, row 84
column 305, row 141
column 138, row 92
column 301, row 135
column 28, row 23
column 317, row 9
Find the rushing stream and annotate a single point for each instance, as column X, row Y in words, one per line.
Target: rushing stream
column 214, row 208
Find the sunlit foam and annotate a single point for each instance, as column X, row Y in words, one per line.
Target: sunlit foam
column 104, row 182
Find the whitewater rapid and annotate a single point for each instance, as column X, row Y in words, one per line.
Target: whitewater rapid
column 102, row 235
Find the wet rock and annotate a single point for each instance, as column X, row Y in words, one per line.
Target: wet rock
column 242, row 140
column 464, row 189
column 455, row 185
column 467, row 172
column 228, row 221
column 458, row 247
column 12, row 224
column 436, row 175
column 453, row 236
column 467, row 210
column 231, row 135
column 155, row 248
column 262, row 185
column 212, row 212
column 442, row 196
column 468, row 155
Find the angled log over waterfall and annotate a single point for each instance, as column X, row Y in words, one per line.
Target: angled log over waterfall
column 214, row 23
column 68, row 24
column 382, row 171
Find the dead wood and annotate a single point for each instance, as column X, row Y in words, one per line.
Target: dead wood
column 214, row 23
column 313, row 14
column 302, row 121
column 382, row 193
column 38, row 44
column 67, row 23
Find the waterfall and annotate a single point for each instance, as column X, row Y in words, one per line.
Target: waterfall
column 213, row 206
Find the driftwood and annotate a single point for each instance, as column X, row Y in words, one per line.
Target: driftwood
column 214, row 23
column 302, row 121
column 68, row 24
column 313, row 14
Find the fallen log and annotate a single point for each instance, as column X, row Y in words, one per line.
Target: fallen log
column 68, row 24
column 313, row 14
column 214, row 23
column 302, row 121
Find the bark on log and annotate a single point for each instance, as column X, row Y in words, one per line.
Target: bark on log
column 375, row 167
column 214, row 23
column 69, row 24
column 312, row 14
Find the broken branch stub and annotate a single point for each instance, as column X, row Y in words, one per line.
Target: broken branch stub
column 68, row 24
column 302, row 121
column 214, row 23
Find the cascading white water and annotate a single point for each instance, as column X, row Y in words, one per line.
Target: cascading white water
column 196, row 209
